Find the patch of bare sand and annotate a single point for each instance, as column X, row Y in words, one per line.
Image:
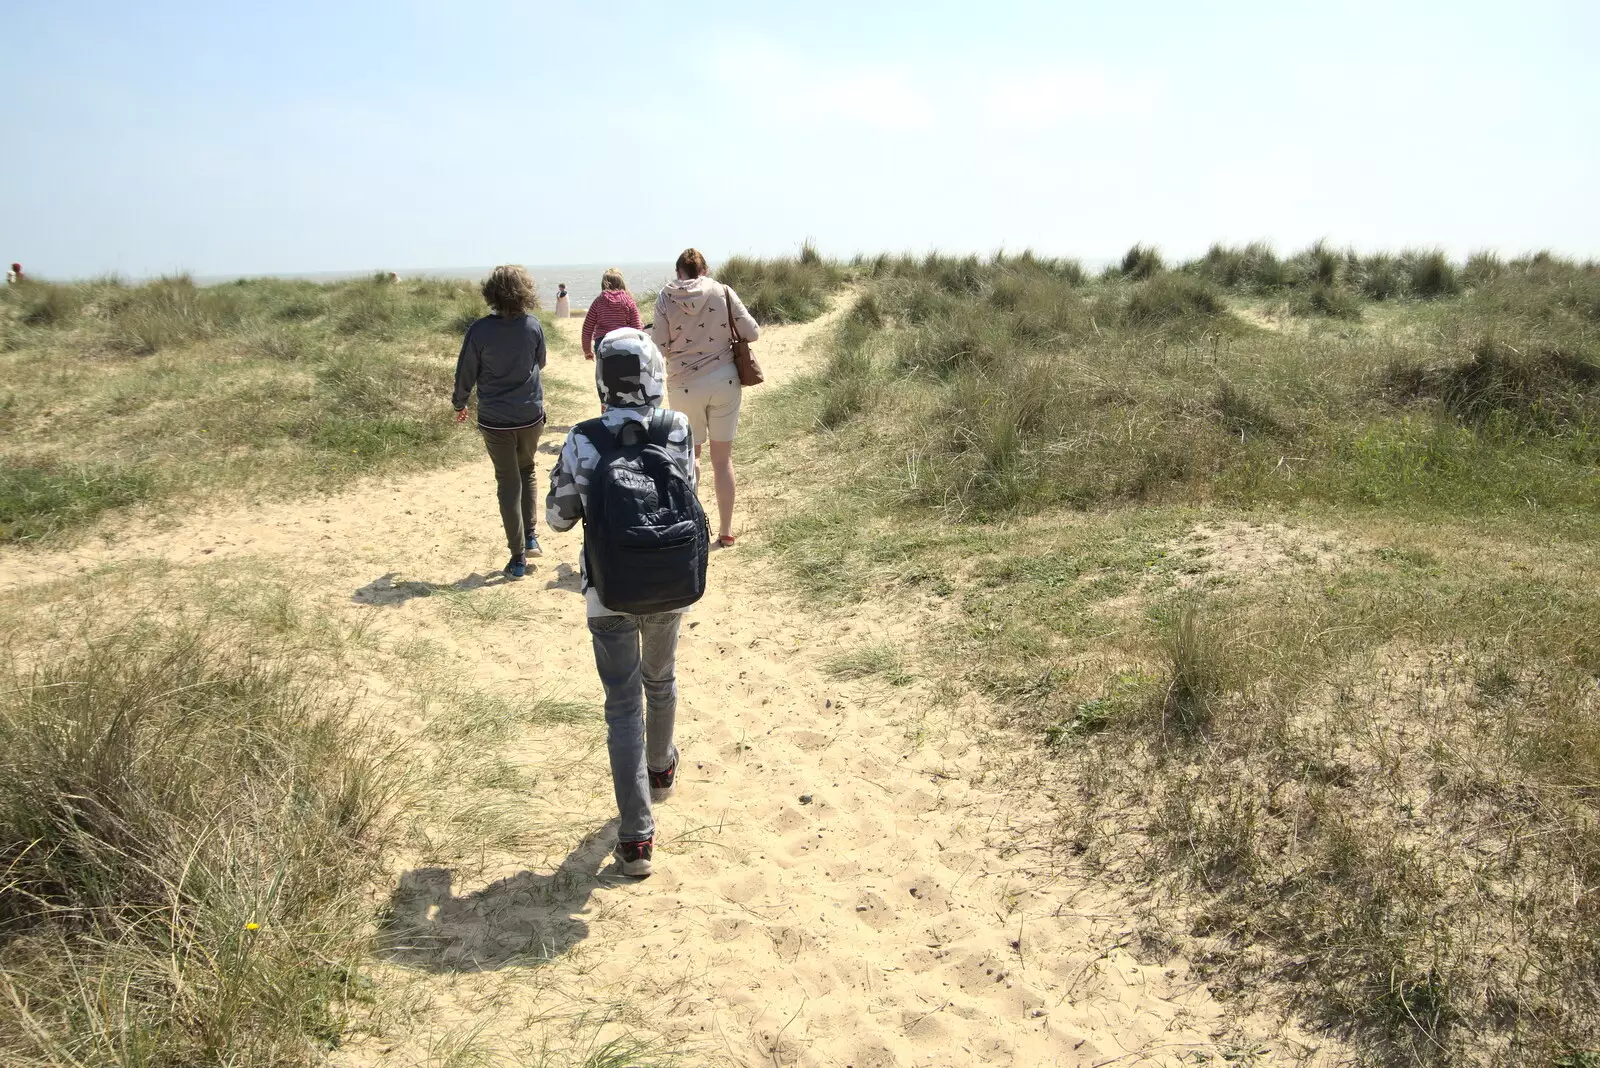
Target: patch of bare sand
column 1258, row 317
column 1254, row 551
column 1238, row 553
column 847, row 876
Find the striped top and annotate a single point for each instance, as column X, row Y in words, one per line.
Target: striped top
column 613, row 308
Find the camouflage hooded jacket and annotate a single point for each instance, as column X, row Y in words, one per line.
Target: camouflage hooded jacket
column 631, row 378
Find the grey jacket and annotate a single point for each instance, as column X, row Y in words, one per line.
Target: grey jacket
column 502, row 358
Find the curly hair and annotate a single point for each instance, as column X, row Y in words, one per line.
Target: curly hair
column 510, row 291
column 692, row 264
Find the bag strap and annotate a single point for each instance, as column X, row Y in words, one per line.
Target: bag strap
column 660, row 427
column 733, row 331
column 599, row 435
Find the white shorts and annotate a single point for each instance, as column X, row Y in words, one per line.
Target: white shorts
column 711, row 401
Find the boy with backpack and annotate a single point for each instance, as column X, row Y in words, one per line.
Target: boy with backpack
column 630, row 476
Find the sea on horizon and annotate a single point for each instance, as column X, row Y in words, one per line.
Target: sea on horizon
column 582, row 279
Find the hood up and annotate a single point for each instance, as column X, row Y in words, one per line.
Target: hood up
column 690, row 294
column 629, row 371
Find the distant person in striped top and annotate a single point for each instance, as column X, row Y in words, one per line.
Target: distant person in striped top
column 613, row 309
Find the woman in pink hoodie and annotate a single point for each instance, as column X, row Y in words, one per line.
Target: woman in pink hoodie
column 613, row 308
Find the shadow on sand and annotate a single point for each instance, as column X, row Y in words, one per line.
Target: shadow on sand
column 391, row 590
column 566, row 577
column 552, row 438
column 520, row 921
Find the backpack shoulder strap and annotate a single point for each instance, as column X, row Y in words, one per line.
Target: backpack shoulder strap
column 660, row 427
column 598, row 434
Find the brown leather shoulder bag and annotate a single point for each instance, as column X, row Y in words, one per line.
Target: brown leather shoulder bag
column 749, row 370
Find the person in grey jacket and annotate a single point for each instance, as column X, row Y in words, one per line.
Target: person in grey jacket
column 502, row 356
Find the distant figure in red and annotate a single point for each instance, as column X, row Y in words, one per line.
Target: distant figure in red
column 612, row 309
column 14, row 275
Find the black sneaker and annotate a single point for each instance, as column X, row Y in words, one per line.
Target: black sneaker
column 661, row 781
column 533, row 545
column 516, row 567
column 634, row 857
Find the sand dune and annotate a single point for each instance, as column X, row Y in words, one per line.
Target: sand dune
column 848, row 875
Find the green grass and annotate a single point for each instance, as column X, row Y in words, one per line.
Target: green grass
column 189, row 826
column 1141, row 262
column 1327, row 301
column 37, row 501
column 1350, row 741
column 1022, row 389
column 155, row 394
column 784, row 290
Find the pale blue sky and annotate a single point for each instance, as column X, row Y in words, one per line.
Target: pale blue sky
column 303, row 136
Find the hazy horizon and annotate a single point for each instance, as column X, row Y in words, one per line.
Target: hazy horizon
column 581, row 279
column 331, row 138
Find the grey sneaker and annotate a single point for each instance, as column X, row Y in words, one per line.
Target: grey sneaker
column 634, row 857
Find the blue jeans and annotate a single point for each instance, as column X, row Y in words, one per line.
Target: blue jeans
column 637, row 660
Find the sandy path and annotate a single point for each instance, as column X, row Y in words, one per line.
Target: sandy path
column 839, row 881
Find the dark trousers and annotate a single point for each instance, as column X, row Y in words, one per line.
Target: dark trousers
column 511, row 452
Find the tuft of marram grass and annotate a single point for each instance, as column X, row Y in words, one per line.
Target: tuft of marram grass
column 882, row 660
column 1199, row 672
column 1255, row 268
column 784, row 290
column 1430, row 274
column 1173, row 300
column 1140, row 262
column 1325, row 301
column 188, row 826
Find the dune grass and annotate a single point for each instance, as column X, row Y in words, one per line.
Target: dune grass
column 1306, row 616
column 118, row 395
column 1023, row 389
column 187, row 828
column 790, row 290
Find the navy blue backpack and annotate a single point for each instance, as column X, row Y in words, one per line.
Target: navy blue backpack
column 645, row 536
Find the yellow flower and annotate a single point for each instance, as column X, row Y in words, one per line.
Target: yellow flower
column 252, row 927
